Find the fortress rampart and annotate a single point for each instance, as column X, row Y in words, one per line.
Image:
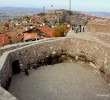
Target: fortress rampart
column 93, row 52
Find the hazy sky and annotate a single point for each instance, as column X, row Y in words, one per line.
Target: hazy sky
column 82, row 5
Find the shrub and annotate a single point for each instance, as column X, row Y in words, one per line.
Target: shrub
column 6, row 24
column 60, row 30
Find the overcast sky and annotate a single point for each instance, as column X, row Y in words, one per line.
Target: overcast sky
column 80, row 5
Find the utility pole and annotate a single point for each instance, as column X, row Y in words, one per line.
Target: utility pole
column 53, row 9
column 69, row 5
column 69, row 11
column 44, row 10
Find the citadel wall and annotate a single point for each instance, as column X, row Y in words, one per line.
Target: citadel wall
column 94, row 52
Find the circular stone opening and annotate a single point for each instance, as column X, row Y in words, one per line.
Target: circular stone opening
column 63, row 81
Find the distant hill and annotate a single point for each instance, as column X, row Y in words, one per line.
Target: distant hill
column 17, row 12
column 21, row 9
column 99, row 14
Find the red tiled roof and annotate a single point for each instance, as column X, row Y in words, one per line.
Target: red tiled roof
column 38, row 36
column 37, row 19
column 3, row 35
column 11, row 34
column 14, row 36
column 1, row 44
column 17, row 38
column 4, row 39
column 33, row 17
column 51, row 16
column 29, row 36
column 36, row 25
column 47, row 30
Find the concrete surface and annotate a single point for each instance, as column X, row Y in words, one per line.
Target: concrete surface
column 65, row 81
column 92, row 36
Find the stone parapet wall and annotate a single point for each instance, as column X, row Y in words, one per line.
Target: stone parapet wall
column 104, row 37
column 5, row 95
column 96, row 53
column 11, row 47
column 15, row 46
column 98, row 26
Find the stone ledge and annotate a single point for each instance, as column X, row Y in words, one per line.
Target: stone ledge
column 4, row 95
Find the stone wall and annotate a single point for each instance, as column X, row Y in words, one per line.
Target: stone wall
column 5, row 95
column 15, row 46
column 104, row 37
column 11, row 47
column 98, row 26
column 96, row 53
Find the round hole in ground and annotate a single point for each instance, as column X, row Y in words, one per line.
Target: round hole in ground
column 62, row 81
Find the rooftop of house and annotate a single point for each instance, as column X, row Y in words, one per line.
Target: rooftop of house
column 47, row 30
column 3, row 35
column 17, row 39
column 37, row 19
column 14, row 36
column 30, row 36
column 4, row 39
column 51, row 16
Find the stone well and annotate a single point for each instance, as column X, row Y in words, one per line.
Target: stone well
column 97, row 54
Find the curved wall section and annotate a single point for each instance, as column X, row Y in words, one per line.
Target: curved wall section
column 96, row 53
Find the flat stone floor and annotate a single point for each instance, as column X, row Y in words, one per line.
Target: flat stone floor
column 65, row 81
